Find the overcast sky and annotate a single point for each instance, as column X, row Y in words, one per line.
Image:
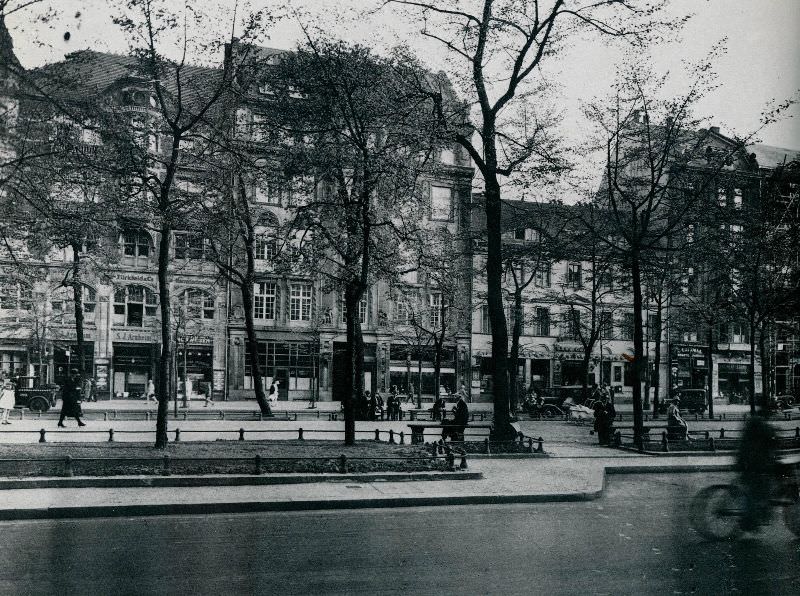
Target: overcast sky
column 762, row 60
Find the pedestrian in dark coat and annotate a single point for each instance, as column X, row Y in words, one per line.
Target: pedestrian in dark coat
column 455, row 428
column 70, row 397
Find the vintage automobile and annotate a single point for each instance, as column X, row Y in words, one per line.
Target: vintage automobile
column 30, row 394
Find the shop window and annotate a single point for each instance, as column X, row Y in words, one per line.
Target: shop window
column 135, row 247
column 441, row 203
column 300, row 302
column 133, row 305
column 265, row 297
column 198, row 304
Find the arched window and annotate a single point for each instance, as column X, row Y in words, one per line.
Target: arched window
column 132, row 304
column 136, row 247
column 198, row 304
column 62, row 301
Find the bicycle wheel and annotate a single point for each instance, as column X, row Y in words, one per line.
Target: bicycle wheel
column 716, row 511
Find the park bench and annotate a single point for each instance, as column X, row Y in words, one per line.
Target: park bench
column 418, row 429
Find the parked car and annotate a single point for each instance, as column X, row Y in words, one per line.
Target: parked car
column 693, row 401
column 782, row 402
column 39, row 398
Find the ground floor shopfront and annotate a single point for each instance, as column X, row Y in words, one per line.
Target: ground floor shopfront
column 730, row 377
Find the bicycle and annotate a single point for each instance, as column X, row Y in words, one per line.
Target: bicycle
column 719, row 512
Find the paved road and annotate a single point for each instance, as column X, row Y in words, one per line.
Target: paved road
column 635, row 540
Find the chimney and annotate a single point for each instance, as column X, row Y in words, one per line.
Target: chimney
column 714, row 129
column 635, row 115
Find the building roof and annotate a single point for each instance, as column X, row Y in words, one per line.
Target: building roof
column 769, row 156
column 90, row 72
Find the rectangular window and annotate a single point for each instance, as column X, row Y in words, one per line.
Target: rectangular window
column 542, row 279
column 542, row 322
column 653, row 330
column 362, row 310
column 486, row 324
column 606, row 325
column 722, row 197
column 626, row 327
column 189, row 246
column 574, row 275
column 441, row 203
column 737, row 198
column 268, row 191
column 572, row 323
column 447, row 156
column 300, row 302
column 265, row 249
column 265, row 296
column 606, row 278
column 435, row 309
column 519, row 234
column 402, row 308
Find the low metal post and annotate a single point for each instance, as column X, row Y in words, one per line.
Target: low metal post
column 618, row 439
column 486, row 446
column 664, row 441
column 300, row 434
column 402, row 438
column 722, row 433
column 184, row 415
column 177, row 435
column 68, row 466
column 343, row 464
column 110, row 435
column 41, row 436
column 530, row 444
column 520, row 438
column 165, row 469
column 706, row 434
column 377, row 435
column 258, row 465
column 260, row 416
column 711, row 445
column 391, row 436
column 105, row 416
column 463, row 465
column 540, row 448
column 222, row 414
column 146, row 416
column 797, row 432
column 241, row 434
column 413, row 415
column 451, row 462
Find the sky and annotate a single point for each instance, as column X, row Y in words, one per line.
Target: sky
column 762, row 61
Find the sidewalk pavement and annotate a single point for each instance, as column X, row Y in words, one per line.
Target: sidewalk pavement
column 572, row 473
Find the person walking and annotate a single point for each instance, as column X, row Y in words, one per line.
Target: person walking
column 677, row 429
column 273, row 392
column 7, row 399
column 70, row 398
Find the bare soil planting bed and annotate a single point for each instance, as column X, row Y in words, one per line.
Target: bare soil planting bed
column 217, row 457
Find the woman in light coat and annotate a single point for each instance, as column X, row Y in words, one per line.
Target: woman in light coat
column 7, row 399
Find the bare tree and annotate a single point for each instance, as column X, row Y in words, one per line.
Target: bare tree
column 501, row 45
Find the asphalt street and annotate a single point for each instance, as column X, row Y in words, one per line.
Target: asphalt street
column 634, row 540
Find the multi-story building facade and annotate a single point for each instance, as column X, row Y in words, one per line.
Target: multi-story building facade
column 299, row 322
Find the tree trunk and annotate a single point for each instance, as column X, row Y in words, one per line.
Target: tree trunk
column 77, row 299
column 513, row 370
column 437, row 365
column 502, row 429
column 765, row 367
column 657, row 359
column 709, row 357
column 164, row 371
column 587, row 355
column 638, row 348
column 252, row 344
column 353, row 404
column 751, row 377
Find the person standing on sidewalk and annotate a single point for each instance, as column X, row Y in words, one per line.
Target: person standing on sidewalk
column 150, row 393
column 207, row 394
column 7, row 399
column 70, row 398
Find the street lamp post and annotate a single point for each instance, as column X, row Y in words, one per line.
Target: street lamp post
column 408, row 373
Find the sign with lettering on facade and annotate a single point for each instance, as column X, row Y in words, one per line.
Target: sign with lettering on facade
column 101, row 376
column 219, row 380
column 140, row 277
column 126, row 335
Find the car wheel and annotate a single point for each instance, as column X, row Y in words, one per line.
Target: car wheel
column 39, row 404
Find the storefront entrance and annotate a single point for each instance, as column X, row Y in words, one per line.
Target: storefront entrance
column 133, row 365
